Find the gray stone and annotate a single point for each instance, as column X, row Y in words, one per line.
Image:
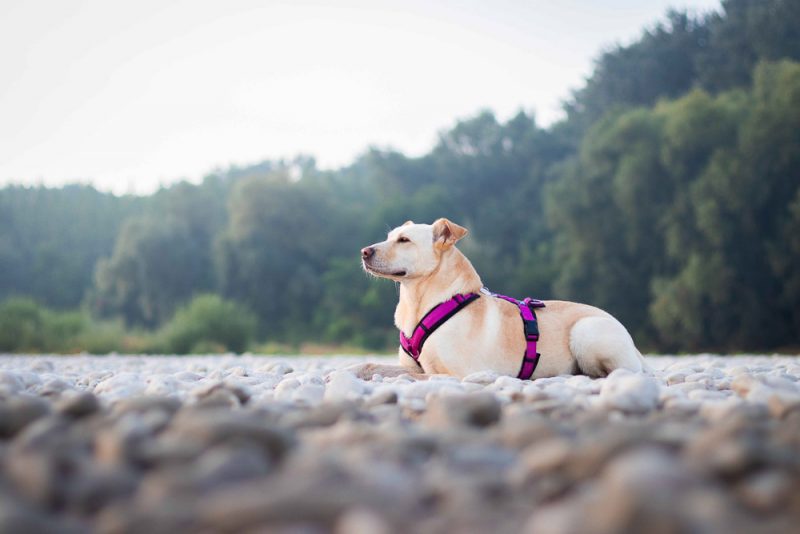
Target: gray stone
column 359, row 520
column 95, row 487
column 240, row 392
column 211, row 471
column 146, row 403
column 10, row 382
column 17, row 517
column 212, row 427
column 383, row 396
column 633, row 393
column 53, row 388
column 19, row 411
column 766, row 491
column 471, row 409
column 78, row 405
column 343, row 385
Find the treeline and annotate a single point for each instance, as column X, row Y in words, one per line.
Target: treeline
column 670, row 195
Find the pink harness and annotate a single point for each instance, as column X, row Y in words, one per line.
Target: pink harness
column 442, row 312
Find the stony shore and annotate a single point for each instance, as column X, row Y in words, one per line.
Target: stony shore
column 115, row 444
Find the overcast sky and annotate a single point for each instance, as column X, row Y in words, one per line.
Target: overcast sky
column 129, row 95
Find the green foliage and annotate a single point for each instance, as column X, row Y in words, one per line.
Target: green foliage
column 50, row 240
column 682, row 208
column 26, row 326
column 209, row 324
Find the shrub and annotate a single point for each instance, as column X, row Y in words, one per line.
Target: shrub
column 27, row 327
column 209, row 322
column 21, row 325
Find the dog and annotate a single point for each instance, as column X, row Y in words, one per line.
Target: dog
column 487, row 334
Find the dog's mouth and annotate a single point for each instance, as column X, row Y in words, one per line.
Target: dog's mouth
column 396, row 274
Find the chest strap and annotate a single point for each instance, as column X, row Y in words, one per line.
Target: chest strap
column 433, row 320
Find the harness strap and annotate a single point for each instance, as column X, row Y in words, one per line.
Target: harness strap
column 531, row 357
column 432, row 320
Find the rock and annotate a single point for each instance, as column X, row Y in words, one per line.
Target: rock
column 424, row 389
column 382, row 396
column 781, row 405
column 481, row 377
column 209, row 389
column 53, row 388
column 214, row 469
column 309, row 393
column 162, row 385
column 765, row 491
column 343, row 385
column 743, row 383
column 77, row 405
column 187, row 376
column 213, row 427
column 19, row 517
column 285, row 389
column 362, row 521
column 280, row 368
column 10, row 382
column 119, row 444
column 632, row 393
column 121, row 385
column 474, row 409
column 18, row 412
column 219, row 398
column 147, row 404
column 546, row 456
column 97, row 486
column 677, row 377
column 318, row 500
column 509, row 383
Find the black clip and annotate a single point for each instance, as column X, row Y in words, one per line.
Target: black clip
column 531, row 329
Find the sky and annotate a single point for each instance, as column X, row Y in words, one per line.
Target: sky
column 130, row 96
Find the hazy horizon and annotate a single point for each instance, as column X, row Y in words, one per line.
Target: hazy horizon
column 131, row 97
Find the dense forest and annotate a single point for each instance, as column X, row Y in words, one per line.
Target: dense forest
column 669, row 195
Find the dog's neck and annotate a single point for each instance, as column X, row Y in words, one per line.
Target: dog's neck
column 454, row 274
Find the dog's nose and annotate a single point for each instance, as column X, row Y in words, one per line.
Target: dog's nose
column 367, row 253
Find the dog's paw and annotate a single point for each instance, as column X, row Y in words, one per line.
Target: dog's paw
column 364, row 371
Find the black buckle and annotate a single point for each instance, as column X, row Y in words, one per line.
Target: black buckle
column 531, row 329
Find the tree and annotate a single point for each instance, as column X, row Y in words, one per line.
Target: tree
column 154, row 267
column 278, row 239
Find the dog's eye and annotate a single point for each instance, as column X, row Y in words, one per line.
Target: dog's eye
column 403, row 240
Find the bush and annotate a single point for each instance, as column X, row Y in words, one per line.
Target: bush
column 21, row 325
column 27, row 327
column 209, row 322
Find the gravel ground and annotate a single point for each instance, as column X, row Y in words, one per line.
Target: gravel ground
column 252, row 444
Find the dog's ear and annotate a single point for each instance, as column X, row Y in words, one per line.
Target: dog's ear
column 446, row 233
column 407, row 223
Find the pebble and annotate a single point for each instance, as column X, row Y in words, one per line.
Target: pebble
column 633, row 393
column 343, row 385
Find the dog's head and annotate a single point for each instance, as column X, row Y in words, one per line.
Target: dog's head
column 411, row 250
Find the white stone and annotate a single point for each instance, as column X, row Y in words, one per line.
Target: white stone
column 630, row 392
column 164, row 385
column 285, row 389
column 343, row 385
column 309, row 393
column 11, row 381
column 481, row 377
